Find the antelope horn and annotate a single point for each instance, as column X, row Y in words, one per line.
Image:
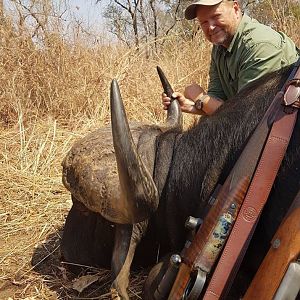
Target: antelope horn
column 174, row 114
column 139, row 196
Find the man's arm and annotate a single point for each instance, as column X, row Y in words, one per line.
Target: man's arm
column 203, row 104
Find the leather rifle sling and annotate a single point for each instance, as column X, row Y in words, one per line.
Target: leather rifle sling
column 258, row 192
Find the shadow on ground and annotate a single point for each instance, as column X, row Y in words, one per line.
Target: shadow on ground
column 46, row 261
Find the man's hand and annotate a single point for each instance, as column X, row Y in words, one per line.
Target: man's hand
column 186, row 105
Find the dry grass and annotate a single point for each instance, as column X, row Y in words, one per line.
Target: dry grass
column 49, row 97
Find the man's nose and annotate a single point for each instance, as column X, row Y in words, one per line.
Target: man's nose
column 211, row 25
column 211, row 28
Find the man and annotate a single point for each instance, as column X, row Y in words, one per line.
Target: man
column 243, row 51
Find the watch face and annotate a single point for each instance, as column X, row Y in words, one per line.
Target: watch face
column 199, row 104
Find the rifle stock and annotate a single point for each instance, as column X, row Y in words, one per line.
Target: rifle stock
column 285, row 248
column 211, row 236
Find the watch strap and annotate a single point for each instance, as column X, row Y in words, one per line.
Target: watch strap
column 200, row 102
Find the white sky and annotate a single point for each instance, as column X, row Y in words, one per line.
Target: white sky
column 86, row 13
column 85, row 10
column 88, row 10
column 90, row 14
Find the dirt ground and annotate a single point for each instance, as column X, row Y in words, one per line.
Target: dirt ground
column 48, row 278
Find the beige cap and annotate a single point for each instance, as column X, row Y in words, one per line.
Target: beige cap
column 191, row 11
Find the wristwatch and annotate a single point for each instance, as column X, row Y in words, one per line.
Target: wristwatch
column 200, row 102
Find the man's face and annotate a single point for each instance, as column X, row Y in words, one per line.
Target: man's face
column 219, row 22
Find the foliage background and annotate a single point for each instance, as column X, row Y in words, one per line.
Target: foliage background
column 55, row 78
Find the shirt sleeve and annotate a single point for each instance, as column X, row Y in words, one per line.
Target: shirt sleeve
column 214, row 86
column 259, row 60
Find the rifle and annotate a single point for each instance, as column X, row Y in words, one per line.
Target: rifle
column 280, row 262
column 199, row 257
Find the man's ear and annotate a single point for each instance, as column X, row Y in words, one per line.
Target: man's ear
column 236, row 6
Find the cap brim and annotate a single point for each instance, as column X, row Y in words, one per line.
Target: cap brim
column 191, row 11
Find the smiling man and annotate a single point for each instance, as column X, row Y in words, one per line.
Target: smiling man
column 244, row 50
column 218, row 22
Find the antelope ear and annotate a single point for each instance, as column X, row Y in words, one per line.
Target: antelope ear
column 139, row 195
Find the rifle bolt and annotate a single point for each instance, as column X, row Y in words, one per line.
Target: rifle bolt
column 276, row 243
column 193, row 223
column 233, row 206
column 175, row 260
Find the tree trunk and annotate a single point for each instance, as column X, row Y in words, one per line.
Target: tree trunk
column 152, row 5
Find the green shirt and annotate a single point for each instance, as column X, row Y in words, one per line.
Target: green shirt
column 254, row 51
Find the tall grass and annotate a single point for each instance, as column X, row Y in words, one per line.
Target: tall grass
column 50, row 96
column 68, row 82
